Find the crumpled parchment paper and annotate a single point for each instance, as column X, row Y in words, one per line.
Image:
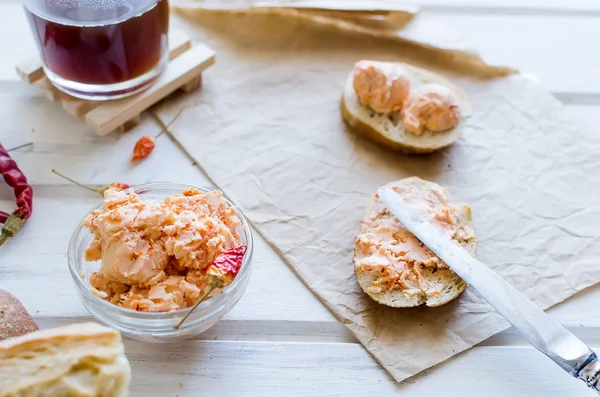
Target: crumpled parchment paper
column 266, row 128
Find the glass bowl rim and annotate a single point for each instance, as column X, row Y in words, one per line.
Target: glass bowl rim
column 209, row 304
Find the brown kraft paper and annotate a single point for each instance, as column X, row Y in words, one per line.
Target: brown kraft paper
column 266, row 127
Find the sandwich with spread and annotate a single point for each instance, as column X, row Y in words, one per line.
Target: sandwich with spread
column 403, row 107
column 393, row 266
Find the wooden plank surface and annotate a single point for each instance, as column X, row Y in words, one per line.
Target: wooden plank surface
column 280, row 339
column 318, row 369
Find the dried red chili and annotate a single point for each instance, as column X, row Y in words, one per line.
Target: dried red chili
column 221, row 272
column 116, row 185
column 143, row 148
column 225, row 267
column 146, row 144
column 23, row 192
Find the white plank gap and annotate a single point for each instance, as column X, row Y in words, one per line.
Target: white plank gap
column 249, row 330
column 331, row 331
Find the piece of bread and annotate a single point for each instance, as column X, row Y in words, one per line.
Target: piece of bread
column 446, row 285
column 81, row 360
column 14, row 319
column 389, row 131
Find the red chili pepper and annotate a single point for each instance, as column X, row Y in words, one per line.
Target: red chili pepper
column 116, row 185
column 23, row 193
column 225, row 267
column 143, row 148
column 221, row 272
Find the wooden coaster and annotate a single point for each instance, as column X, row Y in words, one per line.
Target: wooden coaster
column 184, row 72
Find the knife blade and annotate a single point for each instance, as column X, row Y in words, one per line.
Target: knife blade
column 539, row 329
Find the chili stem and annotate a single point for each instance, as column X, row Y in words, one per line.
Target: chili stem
column 75, row 182
column 11, row 227
column 165, row 127
column 19, row 147
column 206, row 294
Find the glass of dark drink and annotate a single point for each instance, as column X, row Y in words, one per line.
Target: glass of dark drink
column 101, row 49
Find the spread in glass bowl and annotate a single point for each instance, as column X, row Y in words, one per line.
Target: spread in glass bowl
column 155, row 254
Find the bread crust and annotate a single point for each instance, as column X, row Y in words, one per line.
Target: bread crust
column 373, row 134
column 14, row 319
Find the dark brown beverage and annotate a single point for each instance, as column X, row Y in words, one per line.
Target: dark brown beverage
column 100, row 42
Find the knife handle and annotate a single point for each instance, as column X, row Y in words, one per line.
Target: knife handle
column 590, row 373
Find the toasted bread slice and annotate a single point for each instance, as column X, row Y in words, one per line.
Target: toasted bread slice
column 77, row 360
column 445, row 284
column 388, row 130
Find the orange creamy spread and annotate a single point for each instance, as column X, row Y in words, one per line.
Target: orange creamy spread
column 432, row 107
column 154, row 253
column 393, row 254
column 381, row 86
column 386, row 88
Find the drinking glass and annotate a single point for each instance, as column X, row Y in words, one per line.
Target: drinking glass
column 100, row 49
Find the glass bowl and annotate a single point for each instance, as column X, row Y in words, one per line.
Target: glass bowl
column 148, row 326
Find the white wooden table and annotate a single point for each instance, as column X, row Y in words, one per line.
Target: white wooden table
column 280, row 340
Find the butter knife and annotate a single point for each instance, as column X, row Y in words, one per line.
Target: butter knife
column 539, row 329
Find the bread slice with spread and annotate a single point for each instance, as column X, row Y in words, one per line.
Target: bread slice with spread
column 394, row 267
column 403, row 107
